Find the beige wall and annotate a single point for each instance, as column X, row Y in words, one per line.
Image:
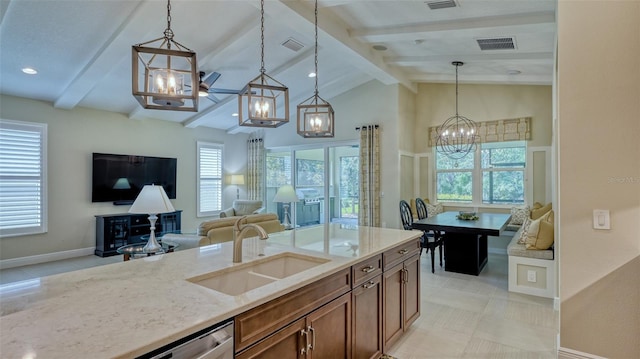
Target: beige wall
column 437, row 102
column 599, row 168
column 72, row 137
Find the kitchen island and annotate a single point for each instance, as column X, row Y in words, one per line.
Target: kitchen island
column 126, row 309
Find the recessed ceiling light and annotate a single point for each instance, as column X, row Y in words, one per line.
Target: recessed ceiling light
column 379, row 47
column 235, row 114
column 29, row 70
column 514, row 72
column 312, row 74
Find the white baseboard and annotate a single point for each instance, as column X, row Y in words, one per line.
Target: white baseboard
column 566, row 353
column 43, row 258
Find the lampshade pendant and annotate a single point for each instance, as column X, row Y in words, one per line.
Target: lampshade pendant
column 261, row 99
column 165, row 78
column 457, row 136
column 315, row 115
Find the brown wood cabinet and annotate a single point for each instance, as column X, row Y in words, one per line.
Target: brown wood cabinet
column 355, row 313
column 401, row 298
column 324, row 333
column 367, row 319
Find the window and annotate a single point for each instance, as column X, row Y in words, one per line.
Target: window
column 209, row 178
column 23, row 178
column 492, row 174
column 454, row 178
column 503, row 172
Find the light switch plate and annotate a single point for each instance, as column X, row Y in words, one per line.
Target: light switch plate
column 601, row 219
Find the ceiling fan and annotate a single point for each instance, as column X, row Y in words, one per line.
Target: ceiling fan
column 205, row 89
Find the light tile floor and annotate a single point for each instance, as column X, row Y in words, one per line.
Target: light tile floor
column 462, row 316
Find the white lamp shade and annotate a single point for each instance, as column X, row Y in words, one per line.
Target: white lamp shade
column 237, row 179
column 286, row 194
column 151, row 200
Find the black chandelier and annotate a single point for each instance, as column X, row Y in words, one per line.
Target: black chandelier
column 457, row 136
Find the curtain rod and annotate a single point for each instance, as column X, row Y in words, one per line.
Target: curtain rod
column 368, row 126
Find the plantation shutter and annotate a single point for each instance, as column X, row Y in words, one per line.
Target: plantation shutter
column 209, row 178
column 23, row 177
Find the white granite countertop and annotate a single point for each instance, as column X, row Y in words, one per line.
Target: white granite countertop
column 126, row 309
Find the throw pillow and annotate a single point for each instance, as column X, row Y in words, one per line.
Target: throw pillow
column 524, row 230
column 537, row 213
column 540, row 234
column 519, row 214
column 433, row 209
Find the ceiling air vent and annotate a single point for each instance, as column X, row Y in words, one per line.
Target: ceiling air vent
column 435, row 5
column 293, row 45
column 497, row 43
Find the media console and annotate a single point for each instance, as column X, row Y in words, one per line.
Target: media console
column 117, row 230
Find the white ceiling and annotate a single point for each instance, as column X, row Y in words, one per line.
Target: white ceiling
column 82, row 48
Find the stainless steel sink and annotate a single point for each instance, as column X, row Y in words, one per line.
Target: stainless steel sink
column 251, row 275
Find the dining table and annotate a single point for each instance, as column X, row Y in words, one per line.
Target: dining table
column 465, row 240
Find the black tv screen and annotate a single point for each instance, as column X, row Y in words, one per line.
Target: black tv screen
column 119, row 178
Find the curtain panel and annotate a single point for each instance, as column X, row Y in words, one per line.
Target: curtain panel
column 517, row 129
column 255, row 166
column 369, row 202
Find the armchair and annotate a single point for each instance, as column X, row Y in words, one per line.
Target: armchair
column 243, row 207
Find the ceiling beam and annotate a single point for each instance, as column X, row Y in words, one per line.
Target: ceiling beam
column 484, row 57
column 109, row 54
column 200, row 118
column 336, row 37
column 503, row 24
column 521, row 79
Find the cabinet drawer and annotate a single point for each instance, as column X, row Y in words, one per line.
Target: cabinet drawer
column 141, row 219
column 400, row 253
column 263, row 320
column 366, row 269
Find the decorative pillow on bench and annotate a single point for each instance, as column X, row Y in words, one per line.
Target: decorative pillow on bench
column 519, row 215
column 540, row 235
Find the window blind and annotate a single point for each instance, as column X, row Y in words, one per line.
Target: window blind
column 209, row 178
column 22, row 178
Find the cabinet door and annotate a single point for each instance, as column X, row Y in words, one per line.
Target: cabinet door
column 411, row 291
column 393, row 304
column 287, row 343
column 329, row 329
column 367, row 319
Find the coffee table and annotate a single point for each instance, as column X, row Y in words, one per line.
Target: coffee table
column 465, row 241
column 137, row 250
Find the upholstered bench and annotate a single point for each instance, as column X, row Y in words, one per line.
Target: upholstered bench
column 531, row 271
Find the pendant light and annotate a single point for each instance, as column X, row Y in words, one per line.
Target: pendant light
column 315, row 115
column 165, row 77
column 260, row 100
column 457, row 136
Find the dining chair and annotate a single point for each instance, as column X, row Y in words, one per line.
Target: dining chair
column 431, row 240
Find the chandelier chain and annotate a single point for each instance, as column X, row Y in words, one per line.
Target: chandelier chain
column 457, row 89
column 316, row 53
column 168, row 33
column 262, row 70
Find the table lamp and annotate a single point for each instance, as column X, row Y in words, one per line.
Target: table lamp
column 152, row 200
column 237, row 180
column 285, row 195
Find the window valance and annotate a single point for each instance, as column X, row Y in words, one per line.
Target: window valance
column 516, row 129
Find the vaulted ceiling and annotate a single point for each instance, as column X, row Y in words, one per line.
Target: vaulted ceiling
column 82, row 48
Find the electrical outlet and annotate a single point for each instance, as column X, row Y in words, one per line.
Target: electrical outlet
column 531, row 276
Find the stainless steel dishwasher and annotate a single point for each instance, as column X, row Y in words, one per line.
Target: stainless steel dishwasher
column 215, row 342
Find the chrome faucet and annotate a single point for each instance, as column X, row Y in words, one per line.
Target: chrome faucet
column 239, row 231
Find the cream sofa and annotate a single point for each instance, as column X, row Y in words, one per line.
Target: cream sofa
column 243, row 207
column 221, row 230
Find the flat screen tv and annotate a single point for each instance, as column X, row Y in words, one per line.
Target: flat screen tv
column 119, row 178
